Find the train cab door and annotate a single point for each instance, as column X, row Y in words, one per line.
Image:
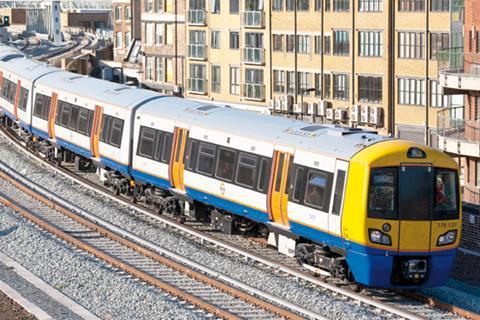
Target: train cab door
column 336, row 203
column 95, row 134
column 278, row 199
column 177, row 162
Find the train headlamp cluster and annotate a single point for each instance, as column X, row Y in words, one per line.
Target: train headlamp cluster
column 447, row 238
column 416, row 153
column 377, row 236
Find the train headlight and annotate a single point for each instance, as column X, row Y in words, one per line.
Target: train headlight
column 377, row 236
column 447, row 238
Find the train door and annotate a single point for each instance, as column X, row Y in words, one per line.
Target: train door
column 17, row 98
column 177, row 164
column 278, row 200
column 95, row 134
column 335, row 213
column 51, row 115
column 415, row 185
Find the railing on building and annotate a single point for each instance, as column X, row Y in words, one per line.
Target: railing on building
column 254, row 91
column 253, row 19
column 197, row 17
column 197, row 51
column 471, row 228
column 451, row 124
column 253, row 55
column 456, row 61
column 197, row 85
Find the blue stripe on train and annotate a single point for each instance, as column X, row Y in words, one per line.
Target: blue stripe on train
column 146, row 178
column 123, row 169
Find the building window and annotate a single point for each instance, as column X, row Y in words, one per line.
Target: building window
column 149, row 33
column 411, row 5
column 370, row 5
column 128, row 13
column 278, row 81
column 254, row 40
column 437, row 99
column 234, row 40
column 159, row 33
column 118, row 13
column 318, row 5
column 197, row 78
column 370, row 89
column 234, row 81
column 291, row 82
column 216, row 79
column 254, row 76
column 303, row 5
column 234, row 6
column 304, row 81
column 340, row 86
column 341, row 5
column 277, row 5
column 440, row 5
column 215, row 40
column 326, row 44
column 411, row 45
column 318, row 44
column 327, row 5
column 277, row 42
column 215, row 6
column 160, row 76
column 318, row 84
column 303, row 44
column 341, row 43
column 370, row 43
column 148, row 5
column 290, row 6
column 290, row 43
column 128, row 39
column 438, row 42
column 327, row 85
column 411, row 91
column 149, row 68
column 159, row 5
column 119, row 40
column 254, row 88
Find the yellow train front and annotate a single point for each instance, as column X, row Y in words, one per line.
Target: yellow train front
column 402, row 215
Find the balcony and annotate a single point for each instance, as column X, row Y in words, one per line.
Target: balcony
column 253, row 19
column 197, row 85
column 456, row 135
column 459, row 72
column 253, row 55
column 254, row 91
column 197, row 51
column 197, row 17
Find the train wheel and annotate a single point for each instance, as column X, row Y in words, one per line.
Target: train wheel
column 137, row 193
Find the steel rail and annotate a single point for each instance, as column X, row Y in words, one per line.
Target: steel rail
column 150, row 250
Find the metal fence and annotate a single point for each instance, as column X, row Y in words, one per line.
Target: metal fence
column 471, row 229
column 451, row 124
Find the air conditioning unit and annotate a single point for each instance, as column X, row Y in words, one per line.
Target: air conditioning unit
column 312, row 108
column 376, row 116
column 297, row 108
column 341, row 115
column 365, row 114
column 355, row 113
column 322, row 108
column 278, row 105
column 271, row 105
column 305, row 107
column 330, row 114
column 287, row 103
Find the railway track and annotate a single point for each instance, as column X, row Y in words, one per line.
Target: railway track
column 412, row 307
column 185, row 279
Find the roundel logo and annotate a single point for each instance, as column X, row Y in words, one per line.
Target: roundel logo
column 222, row 188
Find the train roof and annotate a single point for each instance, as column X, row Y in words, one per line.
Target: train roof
column 26, row 68
column 336, row 141
column 7, row 52
column 99, row 90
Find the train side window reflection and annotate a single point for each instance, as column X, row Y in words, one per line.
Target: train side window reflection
column 263, row 175
column 167, row 148
column 315, row 194
column 246, row 170
column 146, row 144
column 446, row 195
column 206, row 159
column 226, row 164
column 382, row 197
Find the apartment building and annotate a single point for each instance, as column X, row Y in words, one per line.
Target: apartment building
column 459, row 128
column 122, row 28
column 372, row 61
column 163, row 45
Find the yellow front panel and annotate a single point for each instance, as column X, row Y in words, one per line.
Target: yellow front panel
column 415, row 236
column 377, row 224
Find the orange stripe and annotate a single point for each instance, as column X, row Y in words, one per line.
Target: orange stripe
column 17, row 98
column 95, row 133
column 52, row 114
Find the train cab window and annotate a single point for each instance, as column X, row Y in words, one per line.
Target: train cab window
column 226, row 164
column 167, row 148
column 445, row 195
column 246, row 170
column 146, row 142
column 42, row 106
column 299, row 186
column 23, row 98
column 206, row 159
column 264, row 175
column 382, row 193
column 338, row 195
column 317, row 191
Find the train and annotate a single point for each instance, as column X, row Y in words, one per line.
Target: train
column 372, row 210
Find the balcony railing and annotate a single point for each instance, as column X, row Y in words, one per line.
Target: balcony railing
column 197, row 17
column 197, row 85
column 253, row 19
column 197, row 51
column 451, row 125
column 254, row 91
column 455, row 61
column 254, row 55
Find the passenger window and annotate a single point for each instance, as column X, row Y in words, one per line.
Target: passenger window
column 167, row 148
column 105, row 128
column 316, row 192
column 264, row 175
column 117, row 131
column 246, row 170
column 192, row 155
column 82, row 121
column 206, row 159
column 73, row 123
column 382, row 193
column 39, row 104
column 160, row 139
column 22, row 103
column 338, row 195
column 278, row 176
column 146, row 143
column 299, row 186
column 89, row 122
column 225, row 164
column 65, row 115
